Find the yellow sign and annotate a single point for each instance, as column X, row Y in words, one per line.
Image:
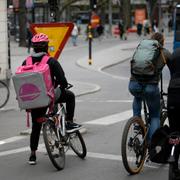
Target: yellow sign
column 58, row 34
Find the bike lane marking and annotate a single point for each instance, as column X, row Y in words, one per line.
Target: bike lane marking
column 42, row 149
column 12, row 139
column 112, row 119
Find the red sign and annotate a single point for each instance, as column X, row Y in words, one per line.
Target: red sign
column 140, row 16
column 58, row 34
column 95, row 20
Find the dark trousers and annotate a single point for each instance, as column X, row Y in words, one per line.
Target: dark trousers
column 174, row 123
column 67, row 97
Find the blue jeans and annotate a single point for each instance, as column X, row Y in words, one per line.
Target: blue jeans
column 152, row 96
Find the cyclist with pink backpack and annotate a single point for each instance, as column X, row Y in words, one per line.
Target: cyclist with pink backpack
column 59, row 81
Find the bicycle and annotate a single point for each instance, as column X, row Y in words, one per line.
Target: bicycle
column 134, row 138
column 4, row 94
column 174, row 141
column 58, row 141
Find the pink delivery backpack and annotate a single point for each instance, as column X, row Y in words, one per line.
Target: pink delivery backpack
column 33, row 84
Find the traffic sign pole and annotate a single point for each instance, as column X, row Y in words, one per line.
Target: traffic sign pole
column 90, row 43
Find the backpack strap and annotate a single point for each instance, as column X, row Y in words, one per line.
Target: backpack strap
column 29, row 60
column 163, row 57
column 45, row 59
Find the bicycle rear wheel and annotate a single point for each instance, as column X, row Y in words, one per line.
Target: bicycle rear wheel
column 4, row 95
column 77, row 144
column 54, row 148
column 133, row 149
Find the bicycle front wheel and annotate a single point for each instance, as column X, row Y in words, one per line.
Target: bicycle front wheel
column 77, row 144
column 53, row 145
column 4, row 95
column 133, row 145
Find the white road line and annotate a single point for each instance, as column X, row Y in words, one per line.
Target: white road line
column 105, row 101
column 12, row 139
column 42, row 149
column 112, row 119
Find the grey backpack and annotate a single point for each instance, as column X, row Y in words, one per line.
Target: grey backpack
column 143, row 63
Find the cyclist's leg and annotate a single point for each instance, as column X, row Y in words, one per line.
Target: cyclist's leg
column 136, row 90
column 152, row 96
column 68, row 97
column 36, row 127
column 173, row 116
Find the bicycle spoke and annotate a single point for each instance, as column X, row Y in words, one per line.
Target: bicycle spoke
column 133, row 146
column 53, row 145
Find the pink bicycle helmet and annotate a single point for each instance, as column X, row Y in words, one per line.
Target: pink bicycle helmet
column 40, row 37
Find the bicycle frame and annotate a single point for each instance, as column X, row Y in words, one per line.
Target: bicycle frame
column 174, row 140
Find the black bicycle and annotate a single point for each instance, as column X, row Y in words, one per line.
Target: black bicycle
column 174, row 142
column 58, row 141
column 134, row 138
column 4, row 94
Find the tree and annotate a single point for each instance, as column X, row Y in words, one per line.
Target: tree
column 125, row 11
column 22, row 23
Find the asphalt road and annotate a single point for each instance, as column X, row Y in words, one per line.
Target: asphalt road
column 103, row 138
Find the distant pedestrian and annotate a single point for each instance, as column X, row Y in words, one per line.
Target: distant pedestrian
column 74, row 35
column 121, row 29
column 29, row 37
column 146, row 27
column 155, row 26
column 100, row 31
column 170, row 25
column 139, row 28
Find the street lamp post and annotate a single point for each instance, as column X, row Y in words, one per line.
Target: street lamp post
column 159, row 16
column 53, row 9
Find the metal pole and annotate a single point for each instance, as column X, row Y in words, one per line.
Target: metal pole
column 110, row 17
column 160, row 19
column 90, row 34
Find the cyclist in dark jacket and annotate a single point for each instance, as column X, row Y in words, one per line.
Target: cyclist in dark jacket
column 150, row 89
column 173, row 102
column 40, row 46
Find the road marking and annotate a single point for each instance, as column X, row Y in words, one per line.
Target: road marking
column 12, row 139
column 112, row 119
column 42, row 149
column 105, row 101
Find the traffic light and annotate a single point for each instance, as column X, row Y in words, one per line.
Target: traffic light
column 53, row 4
column 93, row 4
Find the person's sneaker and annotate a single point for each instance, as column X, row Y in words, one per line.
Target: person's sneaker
column 71, row 127
column 32, row 159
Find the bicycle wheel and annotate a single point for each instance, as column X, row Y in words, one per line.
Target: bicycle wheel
column 54, row 148
column 77, row 144
column 171, row 172
column 4, row 95
column 163, row 117
column 133, row 149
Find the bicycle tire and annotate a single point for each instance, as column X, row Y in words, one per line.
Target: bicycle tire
column 132, row 144
column 5, row 93
column 163, row 117
column 54, row 148
column 77, row 144
column 171, row 175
